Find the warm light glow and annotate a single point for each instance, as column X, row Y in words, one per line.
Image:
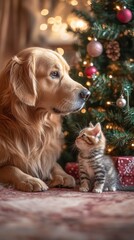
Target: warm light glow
column 80, row 74
column 88, row 83
column 66, row 133
column 89, row 2
column 109, row 149
column 44, row 12
column 83, row 110
column 110, row 76
column 118, row 7
column 108, row 103
column 43, row 27
column 51, row 20
column 58, row 19
column 60, row 51
column 77, row 23
column 89, row 38
column 132, row 144
column 85, row 62
column 74, row 2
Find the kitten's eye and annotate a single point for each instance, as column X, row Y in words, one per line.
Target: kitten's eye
column 83, row 135
column 54, row 74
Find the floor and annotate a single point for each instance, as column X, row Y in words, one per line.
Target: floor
column 66, row 214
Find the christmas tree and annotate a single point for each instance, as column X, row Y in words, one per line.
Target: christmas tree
column 106, row 67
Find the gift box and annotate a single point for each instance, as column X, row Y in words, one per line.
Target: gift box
column 72, row 169
column 124, row 166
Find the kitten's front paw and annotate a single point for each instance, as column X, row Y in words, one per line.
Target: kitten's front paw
column 112, row 189
column 84, row 189
column 97, row 190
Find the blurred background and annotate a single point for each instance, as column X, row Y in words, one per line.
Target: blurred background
column 43, row 23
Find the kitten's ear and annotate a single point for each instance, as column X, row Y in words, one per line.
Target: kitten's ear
column 91, row 125
column 97, row 129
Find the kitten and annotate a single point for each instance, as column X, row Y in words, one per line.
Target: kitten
column 96, row 170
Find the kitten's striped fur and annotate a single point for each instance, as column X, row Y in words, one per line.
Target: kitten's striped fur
column 97, row 171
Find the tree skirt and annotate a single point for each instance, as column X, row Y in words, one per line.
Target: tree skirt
column 65, row 214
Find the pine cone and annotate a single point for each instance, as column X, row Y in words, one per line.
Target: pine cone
column 113, row 50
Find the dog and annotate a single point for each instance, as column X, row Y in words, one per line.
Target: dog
column 36, row 91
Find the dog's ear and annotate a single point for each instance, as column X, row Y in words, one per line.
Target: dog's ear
column 23, row 81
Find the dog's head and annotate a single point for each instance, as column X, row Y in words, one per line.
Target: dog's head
column 39, row 78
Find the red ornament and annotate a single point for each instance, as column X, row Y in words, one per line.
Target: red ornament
column 94, row 48
column 124, row 15
column 89, row 71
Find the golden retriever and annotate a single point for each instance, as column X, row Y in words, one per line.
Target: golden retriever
column 35, row 92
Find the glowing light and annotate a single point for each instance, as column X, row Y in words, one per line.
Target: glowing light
column 77, row 23
column 108, row 103
column 85, row 62
column 118, row 7
column 83, row 110
column 89, row 2
column 132, row 144
column 89, row 38
column 88, row 83
column 109, row 149
column 44, row 12
column 80, row 74
column 43, row 27
column 60, row 51
column 58, row 19
column 110, row 76
column 51, row 20
column 66, row 133
column 74, row 2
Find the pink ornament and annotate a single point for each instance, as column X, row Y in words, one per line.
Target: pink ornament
column 94, row 48
column 89, row 71
column 124, row 15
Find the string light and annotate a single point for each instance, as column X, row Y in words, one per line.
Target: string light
column 83, row 110
column 43, row 27
column 88, row 83
column 51, row 20
column 85, row 62
column 108, row 103
column 44, row 12
column 66, row 133
column 80, row 74
column 74, row 2
column 118, row 7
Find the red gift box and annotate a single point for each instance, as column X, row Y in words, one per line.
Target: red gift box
column 125, row 168
column 72, row 169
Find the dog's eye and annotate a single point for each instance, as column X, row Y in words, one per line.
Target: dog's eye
column 54, row 74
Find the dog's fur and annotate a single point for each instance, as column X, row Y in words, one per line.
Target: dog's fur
column 32, row 101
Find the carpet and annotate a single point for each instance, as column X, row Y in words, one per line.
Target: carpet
column 66, row 214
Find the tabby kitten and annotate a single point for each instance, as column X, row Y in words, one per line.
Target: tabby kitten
column 97, row 171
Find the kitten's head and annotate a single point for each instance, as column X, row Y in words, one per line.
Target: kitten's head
column 90, row 137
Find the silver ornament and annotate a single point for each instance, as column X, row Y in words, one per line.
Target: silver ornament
column 121, row 102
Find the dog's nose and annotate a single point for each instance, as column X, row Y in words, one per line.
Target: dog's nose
column 84, row 94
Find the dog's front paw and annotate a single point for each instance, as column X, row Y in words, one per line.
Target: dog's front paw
column 62, row 181
column 84, row 189
column 31, row 184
